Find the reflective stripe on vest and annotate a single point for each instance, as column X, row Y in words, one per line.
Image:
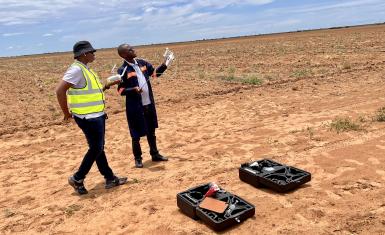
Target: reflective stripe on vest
column 89, row 99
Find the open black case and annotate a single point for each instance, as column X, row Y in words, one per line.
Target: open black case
column 271, row 174
column 237, row 211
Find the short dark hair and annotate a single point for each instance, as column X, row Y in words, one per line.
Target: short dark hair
column 121, row 48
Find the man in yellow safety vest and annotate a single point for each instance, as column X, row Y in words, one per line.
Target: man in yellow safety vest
column 80, row 96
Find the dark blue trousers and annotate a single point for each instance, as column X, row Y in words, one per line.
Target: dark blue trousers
column 151, row 138
column 94, row 130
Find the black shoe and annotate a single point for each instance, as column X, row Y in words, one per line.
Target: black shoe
column 77, row 185
column 115, row 182
column 138, row 163
column 158, row 158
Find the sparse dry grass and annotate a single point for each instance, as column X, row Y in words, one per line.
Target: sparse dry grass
column 380, row 115
column 341, row 124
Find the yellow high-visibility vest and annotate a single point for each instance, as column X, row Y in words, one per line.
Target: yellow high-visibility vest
column 89, row 99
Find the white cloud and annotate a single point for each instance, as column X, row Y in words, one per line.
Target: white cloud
column 204, row 3
column 107, row 23
column 12, row 34
column 15, row 47
column 226, row 3
column 40, row 4
column 343, row 5
column 149, row 9
column 17, row 12
column 127, row 17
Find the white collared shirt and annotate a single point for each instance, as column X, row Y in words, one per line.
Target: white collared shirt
column 142, row 83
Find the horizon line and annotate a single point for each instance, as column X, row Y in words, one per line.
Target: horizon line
column 210, row 39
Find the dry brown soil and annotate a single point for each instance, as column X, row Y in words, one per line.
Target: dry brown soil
column 211, row 120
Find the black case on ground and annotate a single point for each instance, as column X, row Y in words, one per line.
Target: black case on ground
column 189, row 200
column 271, row 174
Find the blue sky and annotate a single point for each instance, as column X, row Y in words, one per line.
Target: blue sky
column 40, row 26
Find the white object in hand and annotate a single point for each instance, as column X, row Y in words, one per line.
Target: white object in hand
column 167, row 52
column 169, row 56
column 114, row 78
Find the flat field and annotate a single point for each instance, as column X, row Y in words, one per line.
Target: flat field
column 307, row 99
